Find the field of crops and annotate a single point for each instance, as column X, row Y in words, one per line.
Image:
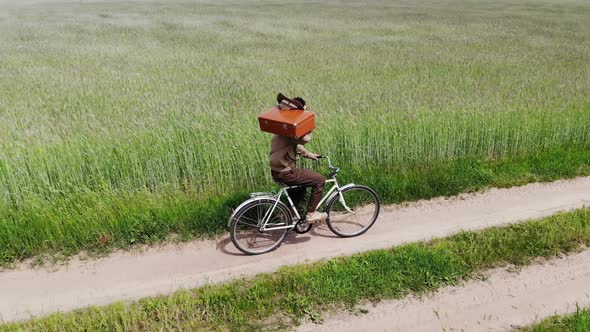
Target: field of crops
column 123, row 122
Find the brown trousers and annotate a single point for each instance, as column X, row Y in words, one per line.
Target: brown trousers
column 302, row 177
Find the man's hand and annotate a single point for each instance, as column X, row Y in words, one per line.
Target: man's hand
column 313, row 156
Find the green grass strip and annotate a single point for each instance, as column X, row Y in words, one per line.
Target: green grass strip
column 98, row 221
column 308, row 290
column 577, row 322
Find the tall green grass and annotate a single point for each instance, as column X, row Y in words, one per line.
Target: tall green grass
column 307, row 291
column 117, row 116
column 577, row 322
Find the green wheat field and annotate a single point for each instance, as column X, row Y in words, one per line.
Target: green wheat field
column 126, row 122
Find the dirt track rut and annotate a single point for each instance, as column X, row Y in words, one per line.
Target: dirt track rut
column 502, row 302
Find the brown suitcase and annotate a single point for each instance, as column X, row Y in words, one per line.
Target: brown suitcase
column 292, row 123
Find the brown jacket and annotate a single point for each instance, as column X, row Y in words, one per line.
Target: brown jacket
column 284, row 151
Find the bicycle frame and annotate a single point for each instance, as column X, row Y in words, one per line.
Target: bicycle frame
column 335, row 189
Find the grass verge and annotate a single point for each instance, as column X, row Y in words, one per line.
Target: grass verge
column 302, row 291
column 102, row 221
column 577, row 322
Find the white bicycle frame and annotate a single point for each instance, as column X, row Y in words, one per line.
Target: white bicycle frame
column 335, row 188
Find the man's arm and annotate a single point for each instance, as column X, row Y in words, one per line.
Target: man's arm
column 303, row 151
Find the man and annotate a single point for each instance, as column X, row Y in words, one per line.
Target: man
column 283, row 158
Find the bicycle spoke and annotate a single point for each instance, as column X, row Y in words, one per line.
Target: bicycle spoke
column 251, row 225
column 252, row 221
column 276, row 221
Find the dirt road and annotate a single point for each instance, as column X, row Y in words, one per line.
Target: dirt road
column 502, row 302
column 122, row 276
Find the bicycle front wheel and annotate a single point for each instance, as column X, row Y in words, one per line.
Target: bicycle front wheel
column 245, row 228
column 354, row 212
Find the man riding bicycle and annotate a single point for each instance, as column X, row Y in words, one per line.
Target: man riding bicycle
column 283, row 159
column 261, row 223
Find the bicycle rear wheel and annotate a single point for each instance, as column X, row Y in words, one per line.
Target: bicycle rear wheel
column 354, row 213
column 245, row 227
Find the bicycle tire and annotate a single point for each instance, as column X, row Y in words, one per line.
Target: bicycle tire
column 247, row 212
column 338, row 216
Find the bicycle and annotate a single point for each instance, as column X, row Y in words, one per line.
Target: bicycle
column 261, row 223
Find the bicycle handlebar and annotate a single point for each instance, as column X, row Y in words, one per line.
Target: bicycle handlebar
column 334, row 169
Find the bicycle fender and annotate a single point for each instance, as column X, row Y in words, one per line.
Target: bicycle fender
column 248, row 201
column 335, row 193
